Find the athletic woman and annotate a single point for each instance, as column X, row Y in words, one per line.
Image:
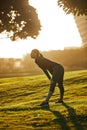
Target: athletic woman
column 50, row 68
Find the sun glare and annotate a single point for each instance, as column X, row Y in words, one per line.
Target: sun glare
column 58, row 31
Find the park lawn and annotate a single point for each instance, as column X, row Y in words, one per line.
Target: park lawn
column 20, row 98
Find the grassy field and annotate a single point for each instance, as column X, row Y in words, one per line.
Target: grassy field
column 20, row 97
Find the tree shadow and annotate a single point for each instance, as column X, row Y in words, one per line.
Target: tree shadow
column 75, row 80
column 73, row 117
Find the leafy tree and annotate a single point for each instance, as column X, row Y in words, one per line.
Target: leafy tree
column 18, row 19
column 76, row 7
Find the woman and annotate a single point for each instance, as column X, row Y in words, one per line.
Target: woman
column 53, row 68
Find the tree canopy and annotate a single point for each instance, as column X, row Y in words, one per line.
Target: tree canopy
column 18, row 19
column 76, row 7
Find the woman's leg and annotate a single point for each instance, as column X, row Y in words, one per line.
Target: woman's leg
column 61, row 88
column 51, row 90
column 58, row 76
column 60, row 83
column 53, row 83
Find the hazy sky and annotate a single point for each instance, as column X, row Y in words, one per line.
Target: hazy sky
column 58, row 31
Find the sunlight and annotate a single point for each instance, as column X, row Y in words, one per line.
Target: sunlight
column 58, row 32
column 58, row 29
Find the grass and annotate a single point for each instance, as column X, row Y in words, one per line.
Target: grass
column 20, row 97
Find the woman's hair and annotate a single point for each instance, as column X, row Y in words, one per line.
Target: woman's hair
column 37, row 52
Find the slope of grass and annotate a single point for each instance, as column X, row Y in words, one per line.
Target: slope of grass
column 20, row 97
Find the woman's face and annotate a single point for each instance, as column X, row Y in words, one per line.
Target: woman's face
column 34, row 55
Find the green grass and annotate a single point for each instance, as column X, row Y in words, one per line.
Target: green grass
column 20, row 97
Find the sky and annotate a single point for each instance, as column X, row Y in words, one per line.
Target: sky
column 58, row 31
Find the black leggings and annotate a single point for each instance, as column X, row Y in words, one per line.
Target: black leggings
column 57, row 77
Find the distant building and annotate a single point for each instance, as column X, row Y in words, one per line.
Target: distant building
column 81, row 22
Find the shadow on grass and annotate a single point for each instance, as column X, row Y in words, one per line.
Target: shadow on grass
column 63, row 121
column 73, row 117
column 60, row 120
column 75, row 80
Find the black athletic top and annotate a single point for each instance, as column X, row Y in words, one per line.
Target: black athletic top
column 46, row 65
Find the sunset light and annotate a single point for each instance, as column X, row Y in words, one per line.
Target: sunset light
column 58, row 32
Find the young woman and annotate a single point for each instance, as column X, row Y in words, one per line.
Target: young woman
column 53, row 68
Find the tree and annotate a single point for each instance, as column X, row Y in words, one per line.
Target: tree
column 76, row 7
column 18, row 19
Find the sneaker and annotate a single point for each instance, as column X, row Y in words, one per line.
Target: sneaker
column 59, row 101
column 44, row 104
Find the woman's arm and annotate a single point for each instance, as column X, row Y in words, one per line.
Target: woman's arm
column 47, row 74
